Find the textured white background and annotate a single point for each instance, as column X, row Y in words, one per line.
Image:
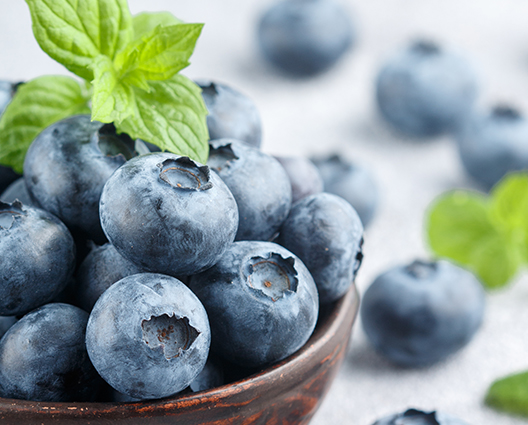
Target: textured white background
column 335, row 112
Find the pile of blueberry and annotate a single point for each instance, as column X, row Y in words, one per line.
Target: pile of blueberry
column 139, row 274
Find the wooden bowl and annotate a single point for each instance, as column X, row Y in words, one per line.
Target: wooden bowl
column 286, row 393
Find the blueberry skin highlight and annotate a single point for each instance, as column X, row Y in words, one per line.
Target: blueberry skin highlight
column 417, row 315
column 351, row 182
column 37, row 258
column 304, row 176
column 305, row 37
column 425, row 90
column 231, row 114
column 418, row 417
column 101, row 268
column 259, row 183
column 168, row 214
column 261, row 301
column 43, row 357
column 148, row 336
column 67, row 165
column 326, row 233
column 491, row 145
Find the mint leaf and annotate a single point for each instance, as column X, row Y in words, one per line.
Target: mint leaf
column 75, row 32
column 145, row 22
column 113, row 100
column 172, row 116
column 457, row 221
column 36, row 105
column 159, row 54
column 509, row 210
column 459, row 227
column 510, row 394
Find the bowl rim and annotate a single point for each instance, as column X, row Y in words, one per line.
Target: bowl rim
column 334, row 317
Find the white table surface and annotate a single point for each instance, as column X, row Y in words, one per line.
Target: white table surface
column 336, row 112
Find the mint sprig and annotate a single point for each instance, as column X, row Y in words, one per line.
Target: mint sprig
column 130, row 66
column 486, row 234
column 509, row 394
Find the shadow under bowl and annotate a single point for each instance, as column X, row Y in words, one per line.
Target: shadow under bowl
column 288, row 392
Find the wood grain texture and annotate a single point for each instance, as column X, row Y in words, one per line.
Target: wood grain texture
column 287, row 393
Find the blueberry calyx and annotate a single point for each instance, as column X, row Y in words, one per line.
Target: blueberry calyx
column 273, row 276
column 111, row 144
column 221, row 156
column 425, row 48
column 183, row 173
column 9, row 213
column 209, row 90
column 172, row 334
column 425, row 418
column 421, row 269
column 505, row 112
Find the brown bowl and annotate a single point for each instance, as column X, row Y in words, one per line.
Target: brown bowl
column 287, row 393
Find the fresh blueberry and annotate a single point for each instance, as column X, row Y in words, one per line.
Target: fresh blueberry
column 304, row 177
column 258, row 182
column 17, row 191
column 7, row 91
column 211, row 376
column 305, row 37
column 168, row 214
column 101, row 268
column 425, row 89
column 418, row 417
column 352, row 182
column 261, row 301
column 493, row 144
column 326, row 233
column 67, row 165
column 7, row 176
column 37, row 258
column 231, row 114
column 43, row 357
column 5, row 323
column 148, row 336
column 418, row 314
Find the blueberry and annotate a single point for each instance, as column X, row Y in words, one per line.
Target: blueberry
column 493, row 144
column 101, row 268
column 258, row 182
column 168, row 214
column 148, row 336
column 418, row 314
column 418, row 417
column 326, row 233
column 261, row 301
column 43, row 357
column 5, row 323
column 231, row 113
column 304, row 176
column 17, row 191
column 67, row 165
column 37, row 258
column 350, row 181
column 7, row 176
column 305, row 37
column 425, row 90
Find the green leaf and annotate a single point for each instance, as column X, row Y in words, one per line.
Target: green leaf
column 509, row 210
column 459, row 227
column 145, row 22
column 113, row 99
column 36, row 105
column 510, row 394
column 159, row 54
column 172, row 116
column 74, row 32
